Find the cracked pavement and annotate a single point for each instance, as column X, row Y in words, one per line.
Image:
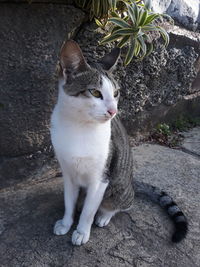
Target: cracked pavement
column 140, row 237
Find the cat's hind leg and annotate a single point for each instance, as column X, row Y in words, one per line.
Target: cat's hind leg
column 104, row 216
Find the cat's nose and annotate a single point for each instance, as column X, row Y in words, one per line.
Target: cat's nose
column 112, row 112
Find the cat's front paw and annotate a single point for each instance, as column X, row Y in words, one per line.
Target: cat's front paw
column 60, row 228
column 79, row 238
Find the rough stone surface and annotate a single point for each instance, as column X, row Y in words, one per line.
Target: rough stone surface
column 140, row 237
column 185, row 12
column 38, row 1
column 159, row 81
column 146, row 121
column 180, row 37
column 30, row 38
column 14, row 170
column 191, row 141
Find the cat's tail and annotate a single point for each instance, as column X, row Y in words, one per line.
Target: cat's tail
column 166, row 202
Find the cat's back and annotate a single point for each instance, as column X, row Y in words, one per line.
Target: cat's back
column 120, row 166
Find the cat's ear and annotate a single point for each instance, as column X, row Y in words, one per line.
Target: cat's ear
column 109, row 61
column 71, row 58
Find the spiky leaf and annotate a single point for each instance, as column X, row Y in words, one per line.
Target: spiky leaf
column 114, row 14
column 143, row 45
column 164, row 35
column 110, row 38
column 98, row 22
column 125, row 31
column 123, row 41
column 130, row 52
column 149, row 27
column 137, row 48
column 143, row 18
column 112, row 4
column 116, row 28
column 131, row 13
column 136, row 12
column 151, row 18
column 120, row 22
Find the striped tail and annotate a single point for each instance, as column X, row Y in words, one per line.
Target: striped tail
column 166, row 202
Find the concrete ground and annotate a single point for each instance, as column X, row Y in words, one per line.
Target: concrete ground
column 140, row 237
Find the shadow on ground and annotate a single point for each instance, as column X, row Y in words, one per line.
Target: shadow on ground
column 140, row 237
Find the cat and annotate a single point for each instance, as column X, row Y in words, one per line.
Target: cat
column 92, row 147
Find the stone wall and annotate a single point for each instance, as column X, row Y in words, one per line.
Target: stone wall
column 31, row 36
column 152, row 88
column 186, row 12
column 30, row 39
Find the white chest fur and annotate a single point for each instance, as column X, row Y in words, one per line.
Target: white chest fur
column 81, row 148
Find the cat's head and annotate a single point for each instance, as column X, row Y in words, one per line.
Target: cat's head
column 90, row 91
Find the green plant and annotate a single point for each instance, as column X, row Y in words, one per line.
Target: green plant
column 181, row 124
column 164, row 135
column 131, row 23
column 98, row 9
column 185, row 123
column 164, row 129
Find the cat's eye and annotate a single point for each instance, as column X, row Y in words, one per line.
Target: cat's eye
column 96, row 93
column 116, row 93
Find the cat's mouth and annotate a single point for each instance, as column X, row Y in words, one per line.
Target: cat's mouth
column 105, row 117
column 102, row 117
